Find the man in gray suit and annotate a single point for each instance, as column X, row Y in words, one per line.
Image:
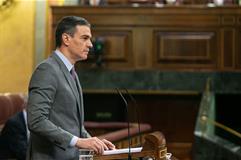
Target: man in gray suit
column 55, row 105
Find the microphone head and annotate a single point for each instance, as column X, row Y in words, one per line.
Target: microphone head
column 122, row 97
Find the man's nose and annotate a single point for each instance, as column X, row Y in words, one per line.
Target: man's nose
column 90, row 45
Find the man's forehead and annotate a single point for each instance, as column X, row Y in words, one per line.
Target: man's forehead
column 83, row 30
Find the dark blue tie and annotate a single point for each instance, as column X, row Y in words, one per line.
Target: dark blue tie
column 73, row 73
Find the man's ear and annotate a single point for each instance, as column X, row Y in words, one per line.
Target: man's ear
column 65, row 39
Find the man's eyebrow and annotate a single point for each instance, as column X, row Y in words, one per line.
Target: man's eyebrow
column 85, row 36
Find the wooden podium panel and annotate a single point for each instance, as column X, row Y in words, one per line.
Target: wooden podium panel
column 154, row 146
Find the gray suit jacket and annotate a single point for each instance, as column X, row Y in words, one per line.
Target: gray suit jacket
column 55, row 112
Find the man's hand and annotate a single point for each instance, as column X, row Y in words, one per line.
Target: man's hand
column 95, row 144
column 110, row 145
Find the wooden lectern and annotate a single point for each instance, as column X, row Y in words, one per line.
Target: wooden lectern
column 154, row 147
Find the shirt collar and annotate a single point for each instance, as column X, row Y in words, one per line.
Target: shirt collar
column 64, row 59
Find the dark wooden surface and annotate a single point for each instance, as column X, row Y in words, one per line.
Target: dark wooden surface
column 172, row 114
column 186, row 37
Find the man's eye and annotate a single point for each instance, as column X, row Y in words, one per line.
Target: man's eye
column 85, row 37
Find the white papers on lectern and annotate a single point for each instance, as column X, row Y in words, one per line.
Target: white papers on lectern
column 123, row 150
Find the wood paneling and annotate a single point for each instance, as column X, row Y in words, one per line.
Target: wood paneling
column 172, row 114
column 169, row 113
column 228, row 52
column 238, row 49
column 188, row 48
column 117, row 49
column 192, row 37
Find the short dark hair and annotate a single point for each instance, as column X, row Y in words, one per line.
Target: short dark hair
column 68, row 25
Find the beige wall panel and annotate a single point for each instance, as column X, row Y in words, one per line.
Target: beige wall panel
column 16, row 46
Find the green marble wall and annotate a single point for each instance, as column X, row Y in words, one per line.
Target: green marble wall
column 222, row 82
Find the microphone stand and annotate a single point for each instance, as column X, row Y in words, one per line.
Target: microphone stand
column 138, row 114
column 128, row 123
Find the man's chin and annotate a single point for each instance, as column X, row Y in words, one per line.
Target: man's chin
column 83, row 58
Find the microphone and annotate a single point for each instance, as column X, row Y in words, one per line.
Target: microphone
column 138, row 114
column 128, row 122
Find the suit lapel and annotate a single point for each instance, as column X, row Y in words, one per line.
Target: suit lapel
column 68, row 77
